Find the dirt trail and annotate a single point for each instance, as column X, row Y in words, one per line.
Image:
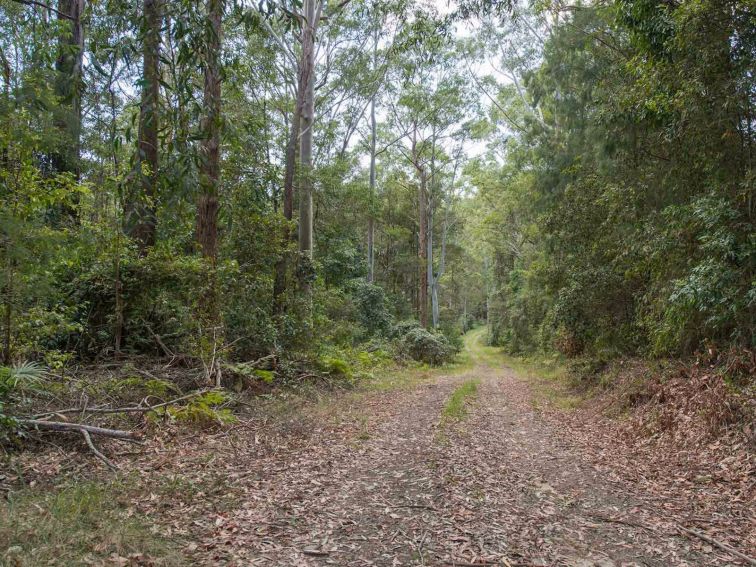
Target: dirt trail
column 501, row 487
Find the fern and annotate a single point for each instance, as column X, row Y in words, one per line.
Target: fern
column 24, row 376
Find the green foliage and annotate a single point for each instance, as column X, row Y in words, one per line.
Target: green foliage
column 372, row 310
column 399, row 330
column 140, row 386
column 27, row 375
column 336, row 367
column 612, row 211
column 424, row 346
column 250, row 371
column 204, row 410
column 266, row 376
column 623, row 216
column 17, row 380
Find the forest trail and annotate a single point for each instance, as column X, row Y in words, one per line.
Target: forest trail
column 390, row 482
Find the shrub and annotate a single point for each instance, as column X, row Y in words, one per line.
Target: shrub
column 425, row 346
column 399, row 330
column 372, row 311
column 19, row 378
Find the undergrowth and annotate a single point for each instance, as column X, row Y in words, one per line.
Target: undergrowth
column 550, row 380
column 82, row 523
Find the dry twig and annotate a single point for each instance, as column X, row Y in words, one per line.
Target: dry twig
column 134, row 409
column 79, row 427
column 97, row 453
column 719, row 544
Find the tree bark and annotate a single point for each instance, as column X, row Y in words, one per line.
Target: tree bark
column 422, row 248
column 430, row 280
column 142, row 209
column 422, row 237
column 305, row 154
column 68, row 85
column 209, row 181
column 8, row 309
column 279, row 284
column 209, row 170
column 371, row 200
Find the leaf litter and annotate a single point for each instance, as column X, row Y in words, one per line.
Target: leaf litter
column 370, row 482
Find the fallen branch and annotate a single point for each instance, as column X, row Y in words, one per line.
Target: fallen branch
column 134, row 409
column 97, row 453
column 159, row 341
column 719, row 544
column 256, row 363
column 79, row 427
column 315, row 552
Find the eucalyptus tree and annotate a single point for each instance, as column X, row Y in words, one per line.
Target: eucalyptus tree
column 373, row 136
column 445, row 193
column 209, row 170
column 432, row 104
column 324, row 45
column 143, row 207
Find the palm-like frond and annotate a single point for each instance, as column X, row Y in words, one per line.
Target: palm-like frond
column 25, row 374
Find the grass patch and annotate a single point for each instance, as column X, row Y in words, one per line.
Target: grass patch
column 549, row 379
column 456, row 408
column 74, row 525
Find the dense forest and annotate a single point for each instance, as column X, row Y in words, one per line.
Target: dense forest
column 227, row 175
column 218, row 201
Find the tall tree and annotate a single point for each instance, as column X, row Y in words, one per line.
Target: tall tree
column 418, row 161
column 209, row 181
column 290, row 166
column 371, row 206
column 310, row 24
column 142, row 207
column 209, row 170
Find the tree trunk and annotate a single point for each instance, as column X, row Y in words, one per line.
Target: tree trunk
column 209, row 170
column 371, row 204
column 279, row 284
column 142, row 209
column 440, row 272
column 68, row 85
column 7, row 294
column 209, row 180
column 422, row 248
column 422, row 236
column 435, row 279
column 430, row 280
column 305, row 154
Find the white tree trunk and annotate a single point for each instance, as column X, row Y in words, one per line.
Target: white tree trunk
column 371, row 219
column 308, row 116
